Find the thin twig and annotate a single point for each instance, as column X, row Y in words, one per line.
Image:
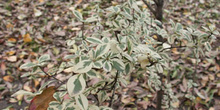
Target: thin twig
column 50, row 75
column 150, row 8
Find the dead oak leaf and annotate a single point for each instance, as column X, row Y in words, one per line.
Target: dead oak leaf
column 27, row 38
column 41, row 101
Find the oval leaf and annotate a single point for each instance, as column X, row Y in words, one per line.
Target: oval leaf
column 82, row 101
column 75, row 85
column 102, row 49
column 83, row 66
column 94, row 40
column 78, row 15
column 118, row 65
column 41, row 101
column 27, row 65
column 44, row 58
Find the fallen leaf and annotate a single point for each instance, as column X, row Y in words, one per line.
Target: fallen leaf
column 78, row 2
column 8, row 78
column 143, row 104
column 176, row 104
column 3, row 67
column 211, row 77
column 60, row 33
column 9, row 26
column 10, row 52
column 174, row 50
column 12, row 58
column 12, row 100
column 27, row 88
column 20, row 96
column 37, row 12
column 75, row 29
column 41, row 1
column 27, row 38
column 155, row 37
column 41, row 101
column 211, row 108
column 36, row 83
column 13, row 40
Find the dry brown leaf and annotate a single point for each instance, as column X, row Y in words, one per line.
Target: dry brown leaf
column 9, row 26
column 41, row 101
column 8, row 78
column 3, row 67
column 36, row 83
column 27, row 38
column 211, row 77
column 205, row 79
column 12, row 40
column 12, row 58
column 41, row 1
column 10, row 52
column 174, row 50
column 78, row 2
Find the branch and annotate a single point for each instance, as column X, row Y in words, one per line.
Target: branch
column 151, row 9
column 113, row 87
column 156, row 2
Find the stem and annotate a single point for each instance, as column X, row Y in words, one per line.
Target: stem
column 42, row 69
column 113, row 87
column 160, row 95
column 150, row 8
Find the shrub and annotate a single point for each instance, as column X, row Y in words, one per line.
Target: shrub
column 116, row 42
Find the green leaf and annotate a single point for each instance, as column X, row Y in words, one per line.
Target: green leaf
column 27, row 65
column 158, row 22
column 78, row 15
column 44, row 58
column 107, row 66
column 102, row 96
column 130, row 2
column 118, row 64
column 93, row 40
column 208, row 46
column 97, row 64
column 105, row 108
column 92, row 73
column 22, row 92
column 69, row 57
column 82, row 101
column 91, row 19
column 128, row 68
column 93, row 107
column 178, row 27
column 159, row 68
column 165, row 45
column 83, row 66
column 76, row 85
column 101, row 50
